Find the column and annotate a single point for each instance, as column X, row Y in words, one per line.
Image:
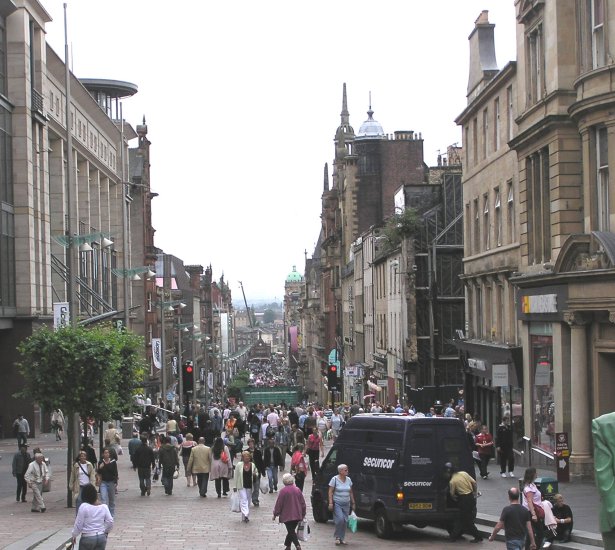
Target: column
column 580, row 436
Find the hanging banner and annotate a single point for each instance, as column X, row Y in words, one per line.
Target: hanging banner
column 210, row 380
column 61, row 315
column 157, row 353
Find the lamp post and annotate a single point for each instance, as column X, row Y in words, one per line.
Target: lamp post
column 165, row 306
column 181, row 328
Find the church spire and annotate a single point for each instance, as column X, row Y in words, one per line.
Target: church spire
column 326, row 182
column 344, row 114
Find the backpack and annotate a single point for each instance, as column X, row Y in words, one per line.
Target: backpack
column 269, row 432
column 254, row 428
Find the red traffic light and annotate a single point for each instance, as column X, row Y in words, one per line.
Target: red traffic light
column 188, row 368
column 332, row 368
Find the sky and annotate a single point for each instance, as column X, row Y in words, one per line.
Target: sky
column 242, row 100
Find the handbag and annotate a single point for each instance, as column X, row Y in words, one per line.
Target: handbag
column 264, row 485
column 235, row 507
column 224, row 457
column 303, row 530
column 156, row 473
column 352, row 522
column 176, row 473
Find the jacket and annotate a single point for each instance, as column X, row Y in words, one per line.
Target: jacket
column 168, row 457
column 290, row 505
column 144, row 457
column 21, row 462
column 73, row 484
column 200, row 460
column 238, row 477
column 272, row 457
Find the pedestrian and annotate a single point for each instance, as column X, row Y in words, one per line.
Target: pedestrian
column 290, row 507
column 111, row 433
column 37, row 477
column 21, row 461
column 57, row 423
column 169, row 461
column 221, row 470
column 86, row 445
column 341, row 502
column 82, row 473
column 199, row 463
column 257, row 459
column 504, row 447
column 337, row 422
column 463, row 490
column 315, row 448
column 298, row 467
column 185, row 450
column 532, row 500
column 296, row 436
column 563, row 519
column 484, row 446
column 21, row 429
column 516, row 522
column 132, row 447
column 93, row 522
column 272, row 460
column 172, row 425
column 107, row 480
column 282, row 439
column 245, row 481
column 112, row 448
column 144, row 461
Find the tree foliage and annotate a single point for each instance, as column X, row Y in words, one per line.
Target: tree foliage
column 400, row 226
column 238, row 384
column 268, row 316
column 91, row 371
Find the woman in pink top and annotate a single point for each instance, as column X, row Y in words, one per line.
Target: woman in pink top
column 532, row 500
column 185, row 450
column 291, row 509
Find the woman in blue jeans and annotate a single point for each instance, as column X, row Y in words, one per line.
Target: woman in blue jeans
column 341, row 501
column 108, row 476
column 93, row 521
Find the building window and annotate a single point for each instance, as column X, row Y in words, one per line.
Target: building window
column 475, row 140
column 497, row 210
column 479, row 310
column 476, row 227
column 467, row 151
column 535, row 65
column 509, row 111
column 597, row 28
column 485, row 133
column 538, row 207
column 486, row 221
column 496, row 124
column 511, row 212
column 602, row 178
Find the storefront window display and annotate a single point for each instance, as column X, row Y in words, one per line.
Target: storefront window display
column 541, row 342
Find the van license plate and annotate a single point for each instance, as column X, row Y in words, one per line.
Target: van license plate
column 420, row 506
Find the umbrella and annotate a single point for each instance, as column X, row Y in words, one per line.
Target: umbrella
column 368, row 396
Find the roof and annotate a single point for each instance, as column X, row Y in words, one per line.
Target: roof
column 294, row 276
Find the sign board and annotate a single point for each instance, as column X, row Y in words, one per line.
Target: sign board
column 499, row 375
column 477, row 364
column 382, row 383
column 562, row 456
column 170, row 396
column 174, row 365
column 543, row 374
column 541, row 303
column 157, row 353
column 61, row 315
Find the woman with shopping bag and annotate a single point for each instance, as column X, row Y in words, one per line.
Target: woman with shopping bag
column 341, row 501
column 244, row 482
column 291, row 509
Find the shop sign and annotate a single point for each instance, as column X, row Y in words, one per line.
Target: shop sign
column 477, row 364
column 562, row 456
column 499, row 375
column 382, row 383
column 541, row 303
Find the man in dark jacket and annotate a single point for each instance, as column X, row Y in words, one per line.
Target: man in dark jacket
column 257, row 459
column 21, row 461
column 169, row 461
column 132, row 447
column 144, row 461
column 504, row 447
column 272, row 459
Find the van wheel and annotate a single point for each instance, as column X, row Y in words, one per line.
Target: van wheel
column 384, row 528
column 318, row 510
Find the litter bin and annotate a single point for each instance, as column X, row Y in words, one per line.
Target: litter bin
column 548, row 487
column 127, row 427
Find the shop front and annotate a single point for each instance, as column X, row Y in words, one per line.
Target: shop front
column 493, row 384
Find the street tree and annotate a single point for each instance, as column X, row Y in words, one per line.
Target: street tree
column 268, row 316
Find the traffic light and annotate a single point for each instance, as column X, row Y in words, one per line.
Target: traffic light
column 332, row 377
column 188, row 377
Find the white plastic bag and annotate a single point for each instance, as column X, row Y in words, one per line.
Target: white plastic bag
column 264, row 485
column 235, row 502
column 303, row 530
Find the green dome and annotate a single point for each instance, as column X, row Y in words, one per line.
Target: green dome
column 294, row 276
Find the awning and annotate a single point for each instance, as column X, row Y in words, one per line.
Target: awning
column 491, row 353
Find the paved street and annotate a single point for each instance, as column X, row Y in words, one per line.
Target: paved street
column 183, row 520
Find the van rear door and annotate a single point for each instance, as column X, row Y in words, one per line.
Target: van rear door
column 420, row 483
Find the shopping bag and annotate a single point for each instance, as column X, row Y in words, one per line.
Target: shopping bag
column 264, row 485
column 352, row 522
column 235, row 502
column 176, row 473
column 303, row 531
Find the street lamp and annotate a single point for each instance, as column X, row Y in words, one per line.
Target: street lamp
column 83, row 241
column 134, row 272
column 165, row 306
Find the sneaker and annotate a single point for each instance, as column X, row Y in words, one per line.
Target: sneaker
column 547, row 544
column 511, row 474
column 43, row 510
column 503, row 474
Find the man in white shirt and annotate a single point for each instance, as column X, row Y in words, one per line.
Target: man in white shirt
column 272, row 418
column 37, row 476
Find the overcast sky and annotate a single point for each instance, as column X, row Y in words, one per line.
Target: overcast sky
column 242, row 100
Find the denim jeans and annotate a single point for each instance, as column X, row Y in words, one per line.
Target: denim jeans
column 98, row 542
column 145, row 479
column 340, row 518
column 515, row 544
column 167, row 479
column 272, row 475
column 203, row 480
column 107, row 495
